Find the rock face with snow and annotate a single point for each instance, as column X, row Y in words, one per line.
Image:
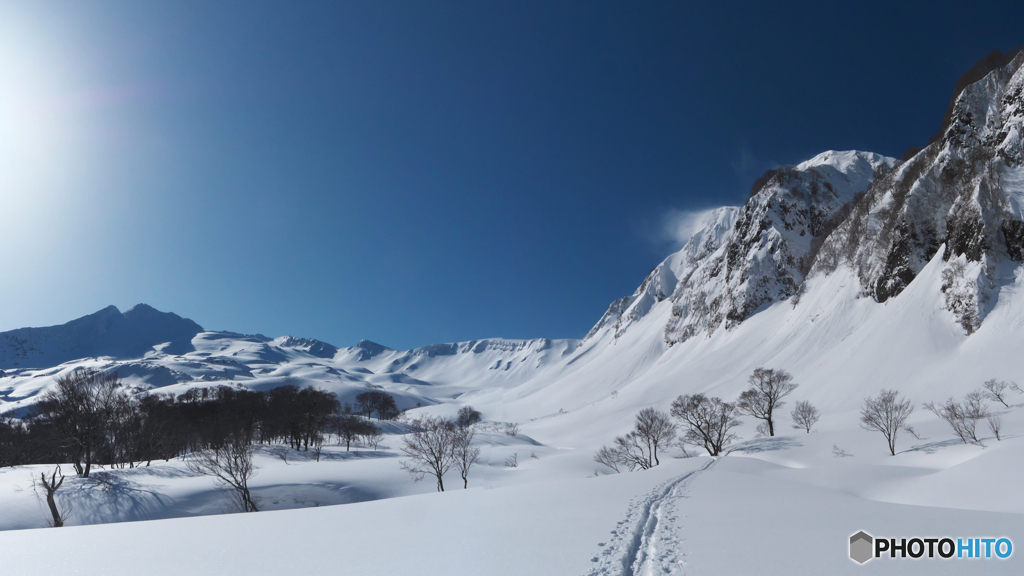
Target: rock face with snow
column 104, row 333
column 884, row 218
column 962, row 194
column 745, row 258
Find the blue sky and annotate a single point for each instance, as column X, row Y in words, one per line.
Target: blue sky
column 414, row 172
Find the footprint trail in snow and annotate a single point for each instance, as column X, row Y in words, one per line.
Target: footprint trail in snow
column 646, row 543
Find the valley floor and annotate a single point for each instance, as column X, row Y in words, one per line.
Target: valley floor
column 783, row 505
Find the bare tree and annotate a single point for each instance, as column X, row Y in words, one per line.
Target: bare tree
column 886, row 414
column 962, row 416
column 59, row 514
column 466, row 455
column 348, row 427
column 805, row 415
column 995, row 390
column 639, row 449
column 79, row 407
column 767, row 389
column 231, row 467
column 630, row 449
column 376, row 401
column 654, row 428
column 372, row 436
column 511, row 429
column 995, row 424
column 910, row 430
column 708, row 422
column 610, row 457
column 429, row 449
column 317, row 442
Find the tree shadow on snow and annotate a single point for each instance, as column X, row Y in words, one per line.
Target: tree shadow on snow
column 933, row 447
column 770, row 444
column 327, row 455
column 106, row 497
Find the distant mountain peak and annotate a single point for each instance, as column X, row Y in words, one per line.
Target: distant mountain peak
column 107, row 332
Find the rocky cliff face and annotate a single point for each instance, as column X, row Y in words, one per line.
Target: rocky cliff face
column 962, row 195
column 883, row 218
column 747, row 257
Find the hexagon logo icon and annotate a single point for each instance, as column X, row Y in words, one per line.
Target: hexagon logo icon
column 860, row 547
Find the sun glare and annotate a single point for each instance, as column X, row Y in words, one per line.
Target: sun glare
column 37, row 133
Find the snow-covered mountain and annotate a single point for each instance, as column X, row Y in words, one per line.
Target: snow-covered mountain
column 744, row 258
column 104, row 333
column 850, row 231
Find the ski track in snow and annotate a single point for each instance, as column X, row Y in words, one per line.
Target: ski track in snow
column 645, row 543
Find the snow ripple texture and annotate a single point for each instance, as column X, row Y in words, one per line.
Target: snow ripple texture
column 646, row 543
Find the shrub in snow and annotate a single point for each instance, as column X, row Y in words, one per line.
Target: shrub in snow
column 839, row 452
column 467, row 417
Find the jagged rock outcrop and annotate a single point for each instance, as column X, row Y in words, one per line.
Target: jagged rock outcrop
column 746, row 257
column 883, row 218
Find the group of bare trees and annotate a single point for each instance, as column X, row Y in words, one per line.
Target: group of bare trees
column 888, row 412
column 964, row 415
column 89, row 418
column 435, row 445
column 377, row 402
column 706, row 421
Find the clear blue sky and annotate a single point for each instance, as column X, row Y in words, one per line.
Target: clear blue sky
column 418, row 172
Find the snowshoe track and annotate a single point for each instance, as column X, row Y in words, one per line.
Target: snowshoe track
column 645, row 543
